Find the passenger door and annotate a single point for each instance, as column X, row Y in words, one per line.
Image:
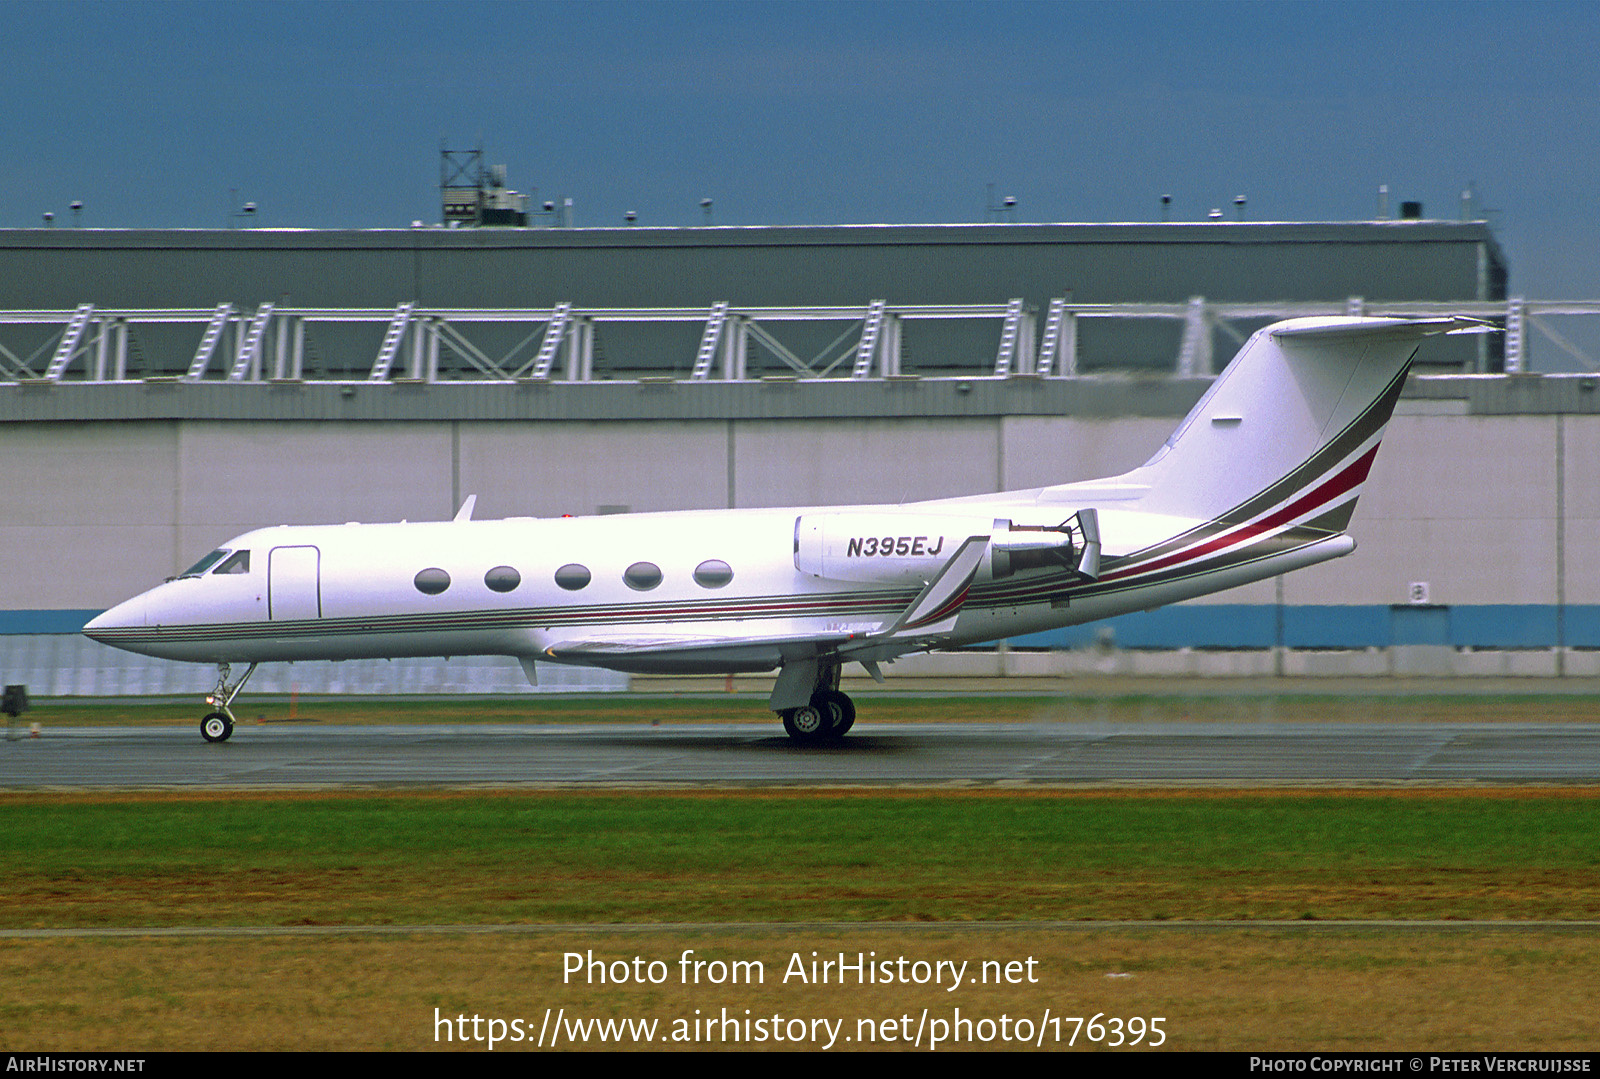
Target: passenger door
column 294, row 586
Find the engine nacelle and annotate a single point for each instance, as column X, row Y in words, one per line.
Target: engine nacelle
column 879, row 548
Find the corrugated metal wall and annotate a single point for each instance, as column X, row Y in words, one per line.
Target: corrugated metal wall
column 688, row 267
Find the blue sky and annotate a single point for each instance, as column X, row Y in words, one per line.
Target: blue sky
column 331, row 114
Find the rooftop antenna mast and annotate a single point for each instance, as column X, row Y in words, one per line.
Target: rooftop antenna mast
column 462, row 180
column 475, row 195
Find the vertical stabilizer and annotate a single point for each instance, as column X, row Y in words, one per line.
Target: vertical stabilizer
column 1288, row 432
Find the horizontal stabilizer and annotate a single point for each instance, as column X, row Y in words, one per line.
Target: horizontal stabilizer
column 1405, row 328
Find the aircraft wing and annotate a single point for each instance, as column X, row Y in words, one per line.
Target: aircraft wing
column 670, row 653
column 929, row 617
column 935, row 609
column 919, row 626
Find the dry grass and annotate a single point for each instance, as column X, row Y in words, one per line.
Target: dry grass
column 1230, row 989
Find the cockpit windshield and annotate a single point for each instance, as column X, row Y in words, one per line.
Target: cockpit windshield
column 205, row 563
column 238, row 562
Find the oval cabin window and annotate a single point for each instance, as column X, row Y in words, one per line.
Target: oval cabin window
column 430, row 582
column 713, row 573
column 642, row 576
column 572, row 576
column 502, row 579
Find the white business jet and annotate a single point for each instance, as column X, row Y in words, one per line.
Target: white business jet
column 1259, row 479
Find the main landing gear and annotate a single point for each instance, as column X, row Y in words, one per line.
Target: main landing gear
column 827, row 716
column 217, row 726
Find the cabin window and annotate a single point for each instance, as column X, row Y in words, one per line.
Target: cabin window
column 502, row 579
column 642, row 576
column 572, row 576
column 431, row 582
column 713, row 573
column 239, row 562
column 204, row 564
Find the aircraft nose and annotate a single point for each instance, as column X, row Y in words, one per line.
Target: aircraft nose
column 129, row 614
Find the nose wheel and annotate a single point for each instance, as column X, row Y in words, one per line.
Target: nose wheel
column 217, row 726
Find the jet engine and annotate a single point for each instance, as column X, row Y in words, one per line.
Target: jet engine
column 880, row 548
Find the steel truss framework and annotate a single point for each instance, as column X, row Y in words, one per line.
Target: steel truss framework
column 423, row 345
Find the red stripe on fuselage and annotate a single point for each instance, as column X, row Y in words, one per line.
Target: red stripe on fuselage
column 1352, row 477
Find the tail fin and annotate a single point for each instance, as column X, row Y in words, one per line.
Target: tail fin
column 1291, row 427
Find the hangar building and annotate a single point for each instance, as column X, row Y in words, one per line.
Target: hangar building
column 1478, row 540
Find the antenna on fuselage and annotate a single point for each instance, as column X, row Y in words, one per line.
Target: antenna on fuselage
column 465, row 512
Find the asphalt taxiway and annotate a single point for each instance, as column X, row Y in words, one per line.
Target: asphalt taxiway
column 756, row 754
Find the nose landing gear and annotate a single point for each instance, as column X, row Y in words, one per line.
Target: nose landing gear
column 217, row 726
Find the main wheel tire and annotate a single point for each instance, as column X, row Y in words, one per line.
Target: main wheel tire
column 837, row 708
column 808, row 723
column 216, row 727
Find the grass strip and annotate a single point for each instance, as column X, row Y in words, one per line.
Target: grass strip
column 488, row 858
